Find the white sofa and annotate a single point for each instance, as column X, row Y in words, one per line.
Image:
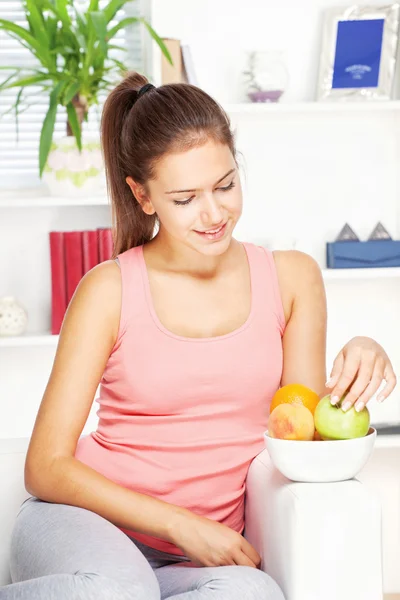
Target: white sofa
column 319, row 541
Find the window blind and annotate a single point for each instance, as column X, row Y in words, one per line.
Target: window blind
column 19, row 158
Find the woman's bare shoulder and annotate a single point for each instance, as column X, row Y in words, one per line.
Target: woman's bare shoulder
column 295, row 270
column 100, row 291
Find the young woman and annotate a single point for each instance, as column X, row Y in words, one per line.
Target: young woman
column 190, row 333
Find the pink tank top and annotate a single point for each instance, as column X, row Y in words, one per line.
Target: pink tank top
column 181, row 419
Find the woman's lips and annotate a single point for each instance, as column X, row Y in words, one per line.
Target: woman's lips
column 213, row 234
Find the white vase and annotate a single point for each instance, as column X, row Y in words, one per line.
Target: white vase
column 13, row 318
column 69, row 172
column 266, row 75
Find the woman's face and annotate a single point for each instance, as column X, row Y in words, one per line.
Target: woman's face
column 197, row 196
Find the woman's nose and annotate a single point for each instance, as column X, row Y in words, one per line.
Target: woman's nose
column 211, row 213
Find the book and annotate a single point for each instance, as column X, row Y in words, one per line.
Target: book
column 58, row 280
column 90, row 249
column 188, row 65
column 73, row 261
column 172, row 73
column 105, row 243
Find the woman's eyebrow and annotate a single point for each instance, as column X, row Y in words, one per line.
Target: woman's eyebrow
column 193, row 190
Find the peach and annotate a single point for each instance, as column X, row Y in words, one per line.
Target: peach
column 291, row 422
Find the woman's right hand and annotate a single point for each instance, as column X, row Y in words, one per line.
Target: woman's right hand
column 210, row 544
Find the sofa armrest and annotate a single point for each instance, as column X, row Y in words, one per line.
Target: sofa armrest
column 317, row 540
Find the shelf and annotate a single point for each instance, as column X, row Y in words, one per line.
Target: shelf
column 365, row 273
column 387, row 441
column 28, row 201
column 259, row 108
column 28, row 340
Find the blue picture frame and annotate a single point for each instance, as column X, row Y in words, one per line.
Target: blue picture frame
column 358, row 53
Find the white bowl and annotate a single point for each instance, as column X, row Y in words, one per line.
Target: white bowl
column 320, row 461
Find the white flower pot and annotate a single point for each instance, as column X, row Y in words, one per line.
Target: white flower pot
column 69, row 172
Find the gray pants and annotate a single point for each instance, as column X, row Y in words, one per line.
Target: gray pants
column 63, row 552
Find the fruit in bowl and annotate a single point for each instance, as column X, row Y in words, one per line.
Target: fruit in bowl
column 332, row 423
column 295, row 393
column 345, row 438
column 291, row 422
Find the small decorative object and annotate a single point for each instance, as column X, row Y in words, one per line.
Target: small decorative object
column 358, row 54
column 380, row 233
column 348, row 252
column 13, row 318
column 347, row 234
column 74, row 64
column 266, row 76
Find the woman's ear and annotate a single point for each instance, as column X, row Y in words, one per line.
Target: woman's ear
column 141, row 196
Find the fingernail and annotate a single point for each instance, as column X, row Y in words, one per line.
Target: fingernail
column 359, row 406
column 380, row 398
column 346, row 406
column 334, row 399
column 328, row 383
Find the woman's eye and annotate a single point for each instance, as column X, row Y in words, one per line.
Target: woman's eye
column 223, row 189
column 227, row 187
column 182, row 202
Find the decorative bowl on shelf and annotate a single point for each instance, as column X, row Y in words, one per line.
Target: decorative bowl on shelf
column 13, row 317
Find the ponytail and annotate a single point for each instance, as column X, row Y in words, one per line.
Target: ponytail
column 131, row 226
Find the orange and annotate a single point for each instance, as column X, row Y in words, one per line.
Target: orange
column 295, row 393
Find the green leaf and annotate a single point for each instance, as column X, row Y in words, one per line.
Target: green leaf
column 46, row 134
column 21, row 32
column 23, row 35
column 100, row 26
column 3, row 84
column 25, row 81
column 36, row 23
column 62, row 12
column 70, row 92
column 74, row 122
column 124, row 23
column 157, row 39
column 112, row 8
column 17, row 112
column 114, row 47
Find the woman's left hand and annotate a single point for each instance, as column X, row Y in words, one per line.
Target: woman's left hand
column 359, row 368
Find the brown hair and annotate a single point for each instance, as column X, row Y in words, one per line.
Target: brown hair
column 136, row 134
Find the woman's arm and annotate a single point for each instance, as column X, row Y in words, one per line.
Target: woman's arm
column 304, row 340
column 51, row 472
column 360, row 366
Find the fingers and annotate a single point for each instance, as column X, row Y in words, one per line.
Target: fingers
column 367, row 375
column 360, row 396
column 347, row 376
column 240, row 558
column 251, row 552
column 391, row 381
column 336, row 370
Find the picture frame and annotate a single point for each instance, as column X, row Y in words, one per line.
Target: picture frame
column 358, row 53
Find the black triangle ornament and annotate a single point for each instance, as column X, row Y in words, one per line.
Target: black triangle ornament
column 380, row 233
column 347, row 235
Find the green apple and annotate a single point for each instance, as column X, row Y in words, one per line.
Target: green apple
column 332, row 423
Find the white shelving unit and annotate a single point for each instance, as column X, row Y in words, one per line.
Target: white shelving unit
column 294, row 141
column 382, row 106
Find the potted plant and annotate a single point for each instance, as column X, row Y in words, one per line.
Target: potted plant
column 76, row 64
